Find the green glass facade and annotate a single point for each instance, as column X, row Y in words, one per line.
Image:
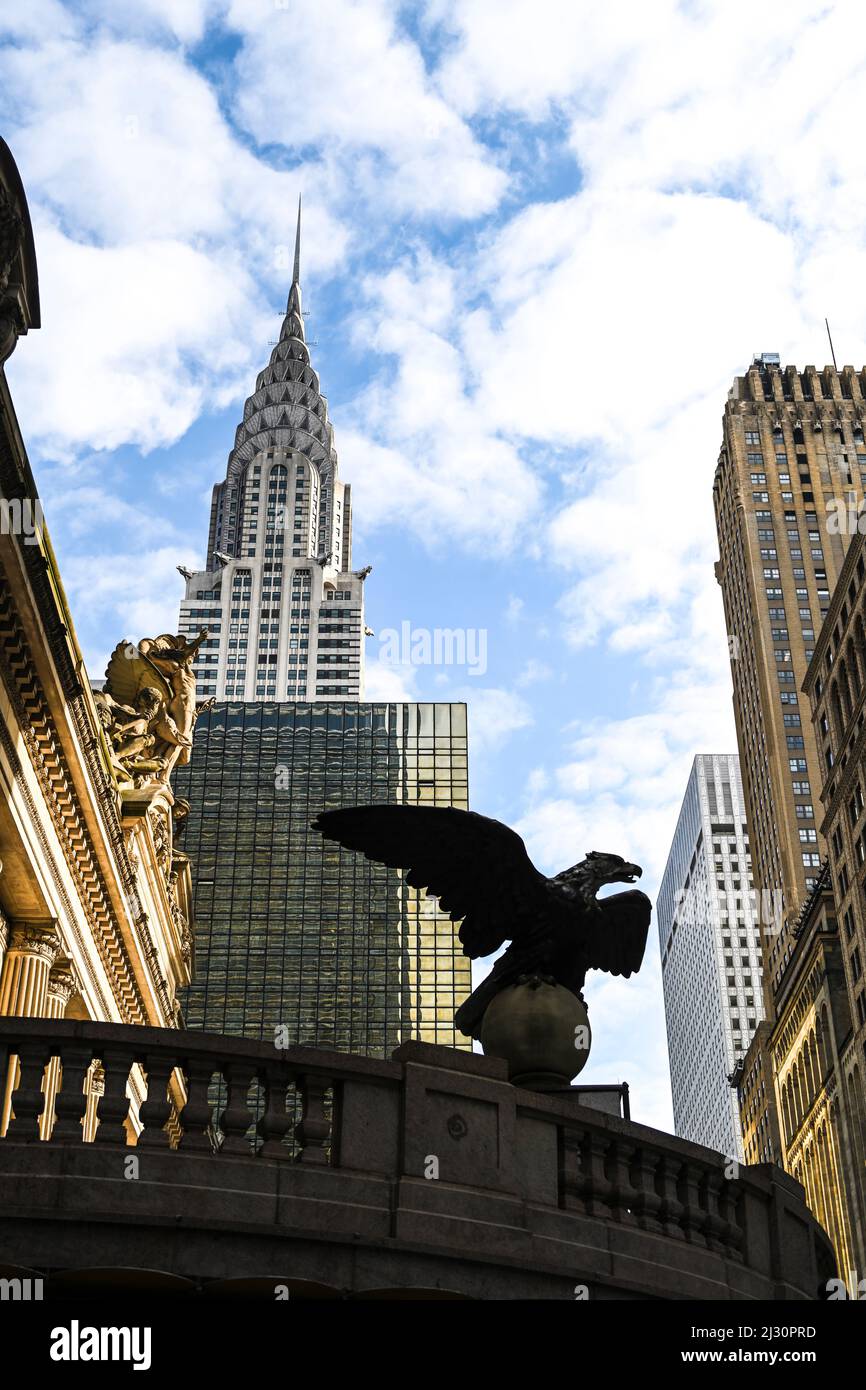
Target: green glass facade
column 294, row 932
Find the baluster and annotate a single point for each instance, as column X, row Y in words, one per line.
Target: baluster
column 27, row 1096
column 70, row 1104
column 599, row 1189
column 648, row 1203
column 113, row 1108
column 728, row 1203
column 574, row 1170
column 94, row 1088
column 694, row 1217
column 622, row 1192
column 274, row 1124
column 195, row 1117
column 156, row 1110
column 236, row 1117
column 671, row 1211
column 314, row 1127
column 715, row 1227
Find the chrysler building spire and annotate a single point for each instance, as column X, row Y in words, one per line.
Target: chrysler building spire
column 294, row 314
column 296, row 273
column 280, row 544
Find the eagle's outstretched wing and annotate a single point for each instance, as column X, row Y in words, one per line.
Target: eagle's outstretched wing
column 615, row 937
column 477, row 867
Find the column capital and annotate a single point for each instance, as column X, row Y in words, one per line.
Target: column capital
column 62, row 982
column 35, row 938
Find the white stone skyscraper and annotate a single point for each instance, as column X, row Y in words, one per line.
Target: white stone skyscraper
column 284, row 610
column 709, row 937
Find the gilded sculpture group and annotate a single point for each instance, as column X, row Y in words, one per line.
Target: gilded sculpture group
column 148, row 708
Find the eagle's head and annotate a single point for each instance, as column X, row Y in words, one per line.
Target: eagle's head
column 609, row 868
column 596, row 870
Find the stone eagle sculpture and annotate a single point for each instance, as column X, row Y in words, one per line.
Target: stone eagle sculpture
column 480, row 871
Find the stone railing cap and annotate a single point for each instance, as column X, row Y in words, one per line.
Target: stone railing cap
column 451, row 1059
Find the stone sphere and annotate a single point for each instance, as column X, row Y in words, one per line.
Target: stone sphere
column 542, row 1031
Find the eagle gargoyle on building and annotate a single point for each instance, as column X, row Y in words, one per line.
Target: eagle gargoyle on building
column 480, row 871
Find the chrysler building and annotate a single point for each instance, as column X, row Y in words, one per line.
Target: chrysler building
column 283, row 608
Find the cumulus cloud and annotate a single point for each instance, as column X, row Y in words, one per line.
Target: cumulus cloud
column 387, row 681
column 184, row 19
column 419, row 449
column 346, row 77
column 494, row 715
column 666, row 95
column 109, row 595
column 137, row 341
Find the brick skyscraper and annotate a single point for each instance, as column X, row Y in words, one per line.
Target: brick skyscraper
column 793, row 443
column 789, row 483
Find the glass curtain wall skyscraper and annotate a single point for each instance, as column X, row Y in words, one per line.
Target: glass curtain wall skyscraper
column 292, row 931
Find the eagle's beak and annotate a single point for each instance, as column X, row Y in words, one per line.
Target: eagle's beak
column 630, row 872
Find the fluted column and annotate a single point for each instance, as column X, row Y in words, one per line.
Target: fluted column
column 62, row 984
column 30, row 954
column 31, row 951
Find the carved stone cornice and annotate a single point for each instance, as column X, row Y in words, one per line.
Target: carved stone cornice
column 19, row 287
column 11, row 243
column 42, row 738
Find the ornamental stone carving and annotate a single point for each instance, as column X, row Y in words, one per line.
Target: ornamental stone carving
column 11, row 241
column 148, row 708
column 62, row 984
column 35, row 939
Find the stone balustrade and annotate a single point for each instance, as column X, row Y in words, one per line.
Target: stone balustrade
column 325, row 1169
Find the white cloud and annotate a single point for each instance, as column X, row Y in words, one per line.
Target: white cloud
column 419, row 450
column 185, row 19
column 666, row 95
column 127, row 600
column 534, row 672
column 87, row 509
column 614, row 311
column 494, row 715
column 127, row 141
column 136, row 341
column 388, row 682
column 345, row 77
column 620, row 781
column 514, row 610
column 155, row 229
column 31, row 22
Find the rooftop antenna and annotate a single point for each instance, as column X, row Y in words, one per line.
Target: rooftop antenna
column 832, row 353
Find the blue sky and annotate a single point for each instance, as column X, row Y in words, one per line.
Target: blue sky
column 539, row 242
